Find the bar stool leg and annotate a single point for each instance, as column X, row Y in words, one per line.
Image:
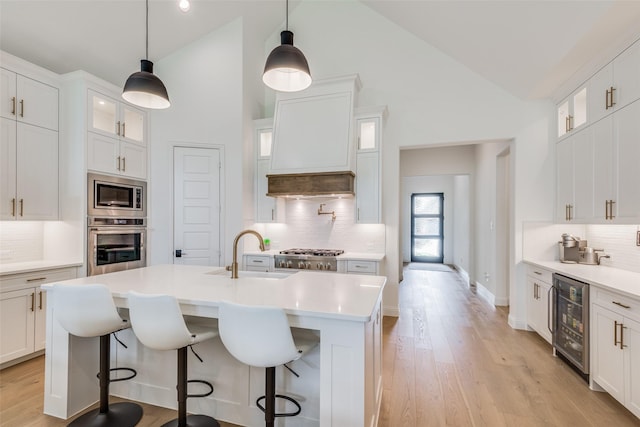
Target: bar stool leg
column 270, row 397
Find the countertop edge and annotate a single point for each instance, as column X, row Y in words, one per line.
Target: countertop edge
column 33, row 266
column 599, row 276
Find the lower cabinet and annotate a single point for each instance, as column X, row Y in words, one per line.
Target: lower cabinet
column 23, row 311
column 538, row 302
column 258, row 262
column 615, row 351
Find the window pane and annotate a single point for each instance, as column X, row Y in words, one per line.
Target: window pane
column 427, row 227
column 426, row 205
column 426, row 247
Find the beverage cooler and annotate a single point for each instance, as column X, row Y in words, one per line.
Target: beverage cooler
column 571, row 322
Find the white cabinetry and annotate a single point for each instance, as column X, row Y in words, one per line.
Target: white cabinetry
column 267, row 209
column 615, row 351
column 615, row 85
column 369, row 165
column 572, row 112
column 574, row 156
column 362, row 267
column 22, row 311
column 28, row 149
column 258, row 262
column 117, row 137
column 538, row 311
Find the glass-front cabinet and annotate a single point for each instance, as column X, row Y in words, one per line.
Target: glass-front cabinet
column 572, row 112
column 116, row 119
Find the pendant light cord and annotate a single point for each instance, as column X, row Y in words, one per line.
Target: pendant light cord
column 147, row 34
column 286, row 24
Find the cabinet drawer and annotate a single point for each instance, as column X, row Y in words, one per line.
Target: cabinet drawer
column 540, row 274
column 257, row 263
column 615, row 302
column 17, row 281
column 362, row 267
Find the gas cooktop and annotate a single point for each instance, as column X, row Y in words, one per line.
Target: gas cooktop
column 314, row 252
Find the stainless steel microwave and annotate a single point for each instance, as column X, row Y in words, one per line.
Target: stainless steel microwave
column 111, row 196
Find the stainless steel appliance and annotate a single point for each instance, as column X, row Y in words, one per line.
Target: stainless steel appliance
column 570, row 248
column 115, row 244
column 116, row 197
column 308, row 259
column 570, row 328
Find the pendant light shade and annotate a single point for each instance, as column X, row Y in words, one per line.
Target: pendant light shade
column 286, row 68
column 143, row 88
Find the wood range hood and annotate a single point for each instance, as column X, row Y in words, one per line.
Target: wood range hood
column 313, row 152
column 314, row 184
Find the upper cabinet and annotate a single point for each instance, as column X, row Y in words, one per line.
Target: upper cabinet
column 116, row 142
column 616, row 85
column 369, row 123
column 267, row 209
column 28, row 101
column 28, row 146
column 572, row 112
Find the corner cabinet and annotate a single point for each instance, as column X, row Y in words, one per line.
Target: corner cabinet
column 369, row 124
column 28, row 148
column 538, row 310
column 267, row 209
column 615, row 350
column 116, row 137
column 23, row 311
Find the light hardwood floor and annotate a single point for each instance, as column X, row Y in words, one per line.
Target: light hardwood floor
column 450, row 359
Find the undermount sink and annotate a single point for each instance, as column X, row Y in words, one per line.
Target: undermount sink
column 259, row 274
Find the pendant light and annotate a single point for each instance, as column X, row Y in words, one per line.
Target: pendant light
column 143, row 88
column 286, row 68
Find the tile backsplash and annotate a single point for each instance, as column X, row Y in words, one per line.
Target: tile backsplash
column 305, row 228
column 21, row 241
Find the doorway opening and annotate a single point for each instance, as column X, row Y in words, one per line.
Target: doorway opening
column 427, row 227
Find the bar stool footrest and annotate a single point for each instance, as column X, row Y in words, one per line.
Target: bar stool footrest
column 201, row 394
column 121, row 414
column 282, row 414
column 115, row 380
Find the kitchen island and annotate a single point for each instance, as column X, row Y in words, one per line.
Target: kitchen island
column 340, row 381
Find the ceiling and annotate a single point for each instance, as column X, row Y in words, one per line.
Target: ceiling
column 527, row 47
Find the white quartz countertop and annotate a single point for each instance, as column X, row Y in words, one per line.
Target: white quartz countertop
column 615, row 279
column 356, row 256
column 328, row 295
column 31, row 266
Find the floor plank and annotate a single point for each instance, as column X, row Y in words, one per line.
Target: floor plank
column 450, row 359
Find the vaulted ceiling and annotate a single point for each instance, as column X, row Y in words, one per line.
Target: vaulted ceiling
column 529, row 48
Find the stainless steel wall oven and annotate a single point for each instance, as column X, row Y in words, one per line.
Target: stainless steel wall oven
column 115, row 244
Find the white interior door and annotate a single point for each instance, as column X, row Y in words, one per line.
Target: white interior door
column 196, row 206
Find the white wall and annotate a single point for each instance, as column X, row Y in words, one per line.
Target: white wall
column 205, row 85
column 462, row 232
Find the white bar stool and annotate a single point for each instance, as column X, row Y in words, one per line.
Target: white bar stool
column 261, row 336
column 158, row 323
column 89, row 311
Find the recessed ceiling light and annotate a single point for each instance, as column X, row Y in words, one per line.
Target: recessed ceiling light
column 184, row 5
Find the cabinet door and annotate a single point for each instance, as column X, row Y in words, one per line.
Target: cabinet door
column 544, row 311
column 133, row 160
column 599, row 99
column 627, row 125
column 632, row 365
column 103, row 115
column 132, row 124
column 37, row 104
column 608, row 359
column 103, row 153
column 367, row 188
column 603, row 173
column 626, row 68
column 7, row 169
column 8, row 96
column 564, row 181
column 40, row 321
column 265, row 206
column 583, row 176
column 16, row 323
column 37, row 173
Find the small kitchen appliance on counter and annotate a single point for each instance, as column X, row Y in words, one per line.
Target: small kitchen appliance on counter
column 570, row 247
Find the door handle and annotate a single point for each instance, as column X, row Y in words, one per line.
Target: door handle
column 179, row 253
column 22, row 108
column 550, row 298
column 13, row 207
column 123, row 129
column 124, row 164
column 21, row 207
column 13, row 106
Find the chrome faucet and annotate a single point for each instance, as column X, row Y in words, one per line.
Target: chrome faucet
column 234, row 265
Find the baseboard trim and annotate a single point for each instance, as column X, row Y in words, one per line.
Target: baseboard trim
column 463, row 273
column 518, row 324
column 502, row 301
column 485, row 294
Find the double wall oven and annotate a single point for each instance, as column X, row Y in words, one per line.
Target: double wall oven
column 117, row 231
